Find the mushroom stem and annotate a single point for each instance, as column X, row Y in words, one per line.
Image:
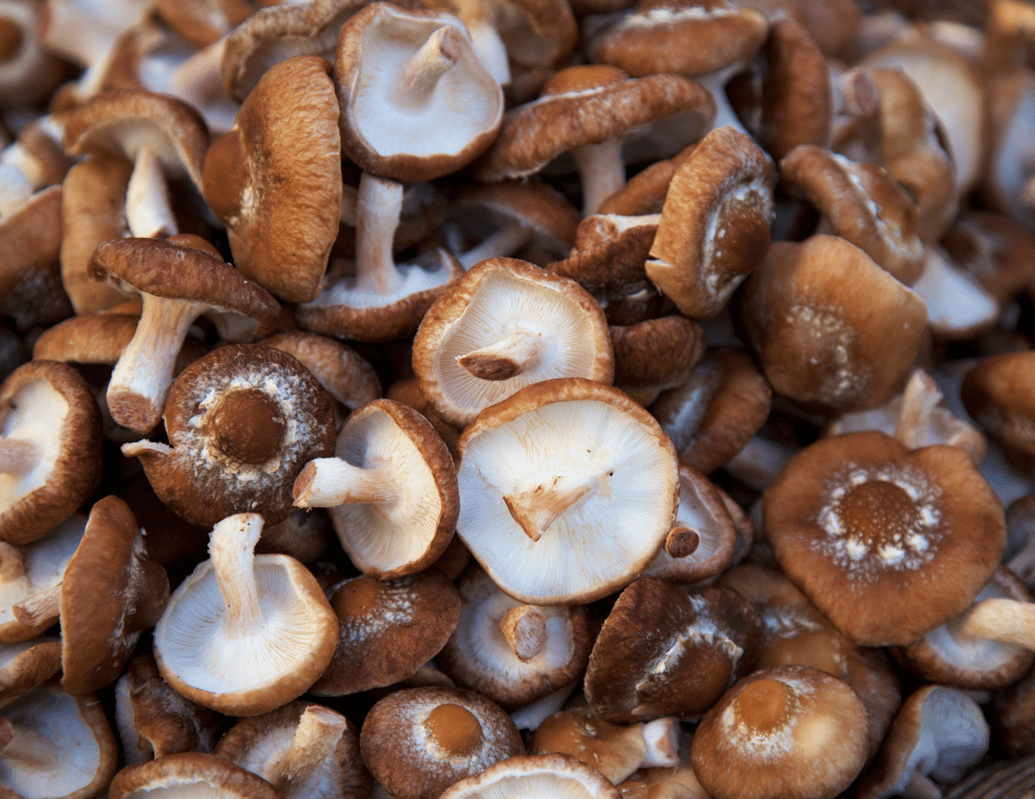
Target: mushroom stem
column 920, row 786
column 489, row 47
column 681, row 541
column 507, row 240
column 18, row 457
column 39, row 608
column 1005, row 620
column 537, row 508
column 503, row 359
column 920, row 398
column 141, row 378
column 12, row 562
column 436, row 56
column 715, row 83
column 232, row 550
column 601, row 171
column 316, row 737
column 524, row 627
column 148, row 214
column 330, row 482
column 378, row 207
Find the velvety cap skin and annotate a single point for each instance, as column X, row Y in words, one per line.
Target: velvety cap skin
column 861, row 525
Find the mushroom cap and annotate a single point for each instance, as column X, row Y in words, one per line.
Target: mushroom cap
column 49, row 409
column 189, row 774
column 419, row 741
column 431, row 130
column 494, row 300
column 599, row 489
column 792, row 731
column 275, row 179
column 405, row 532
column 532, row 776
column 588, row 104
column 242, row 421
column 110, row 592
column 26, row 665
column 860, row 524
column 388, row 630
column 998, row 394
column 244, row 661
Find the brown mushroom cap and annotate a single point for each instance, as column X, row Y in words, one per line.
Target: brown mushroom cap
column 998, row 393
column 242, row 421
column 275, row 179
column 419, row 741
column 189, row 774
column 860, row 524
column 50, row 440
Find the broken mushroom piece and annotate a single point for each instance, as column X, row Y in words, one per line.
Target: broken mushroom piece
column 50, row 448
column 419, row 741
column 860, row 524
column 241, row 421
column 177, row 283
column 388, row 630
column 390, row 489
column 513, row 653
column 505, row 325
column 580, row 514
column 303, row 750
column 792, row 731
column 535, row 776
column 663, row 651
column 245, row 633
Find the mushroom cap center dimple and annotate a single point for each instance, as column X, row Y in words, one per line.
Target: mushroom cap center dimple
column 247, row 425
column 764, row 707
column 357, row 598
column 878, row 513
column 454, row 730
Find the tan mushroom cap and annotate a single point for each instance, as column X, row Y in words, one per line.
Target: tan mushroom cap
column 388, row 630
column 419, row 741
column 245, row 633
column 513, row 653
column 860, row 523
column 664, row 651
column 390, row 489
column 580, row 514
column 654, row 355
column 189, row 774
column 420, row 68
column 241, row 422
column 793, row 731
column 26, row 665
column 50, row 448
column 503, row 326
column 275, row 179
column 998, row 394
column 532, row 776
column 714, row 227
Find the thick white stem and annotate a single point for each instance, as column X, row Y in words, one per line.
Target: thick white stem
column 330, row 482
column 503, row 359
column 378, row 207
column 537, row 508
column 601, row 171
column 148, row 213
column 316, row 737
column 506, row 241
column 524, row 627
column 489, row 47
column 436, row 56
column 141, row 378
column 919, row 400
column 232, row 550
column 715, row 83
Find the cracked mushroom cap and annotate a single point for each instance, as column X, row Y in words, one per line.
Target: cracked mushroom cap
column 245, row 633
column 390, row 490
column 567, row 491
column 241, row 421
column 419, row 741
column 50, row 448
column 534, row 776
column 861, row 525
column 416, row 103
column 505, row 325
column 275, row 179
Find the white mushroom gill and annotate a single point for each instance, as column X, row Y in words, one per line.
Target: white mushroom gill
column 29, row 439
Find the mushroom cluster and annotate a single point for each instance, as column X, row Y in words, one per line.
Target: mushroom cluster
column 464, row 398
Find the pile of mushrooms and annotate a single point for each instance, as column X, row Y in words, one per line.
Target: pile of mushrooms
column 430, row 399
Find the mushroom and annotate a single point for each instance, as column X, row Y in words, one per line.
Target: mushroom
column 390, row 489
column 654, row 355
column 245, row 633
column 50, row 448
column 241, row 421
column 580, row 514
column 792, row 731
column 27, row 665
column 189, row 774
column 997, row 393
column 860, row 524
column 505, row 325
column 531, row 776
column 178, row 283
column 419, row 741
